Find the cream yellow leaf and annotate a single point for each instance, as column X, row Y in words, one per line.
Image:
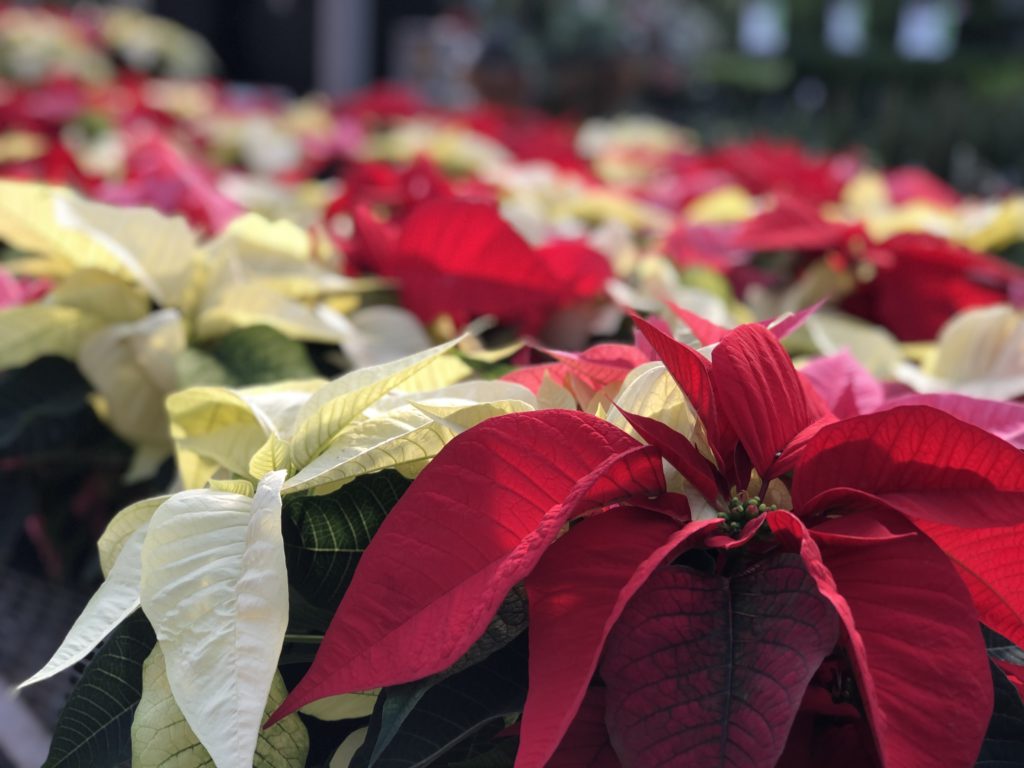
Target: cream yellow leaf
column 650, row 391
column 213, row 427
column 215, row 588
column 345, row 707
column 102, row 295
column 871, row 345
column 241, row 487
column 553, row 395
column 723, row 205
column 245, row 305
column 377, row 334
column 35, row 330
column 115, row 600
column 121, row 527
column 132, row 367
column 979, row 352
column 162, row 738
column 271, row 456
column 404, row 439
column 982, row 342
column 347, row 751
column 159, row 252
column 337, row 403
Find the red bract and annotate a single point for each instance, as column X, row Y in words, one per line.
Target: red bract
column 460, row 258
column 708, row 665
column 923, row 280
column 765, row 166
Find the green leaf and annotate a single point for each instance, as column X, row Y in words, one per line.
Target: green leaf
column 197, row 368
column 261, row 355
column 1003, row 746
column 94, row 728
column 416, row 723
column 44, row 399
column 325, row 535
column 501, row 756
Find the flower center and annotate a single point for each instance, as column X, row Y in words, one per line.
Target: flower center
column 741, row 510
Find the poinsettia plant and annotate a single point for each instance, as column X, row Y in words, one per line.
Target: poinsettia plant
column 811, row 595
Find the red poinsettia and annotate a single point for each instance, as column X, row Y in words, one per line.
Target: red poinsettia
column 460, row 258
column 845, row 610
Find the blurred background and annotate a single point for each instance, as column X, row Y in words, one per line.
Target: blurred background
column 935, row 82
column 938, row 83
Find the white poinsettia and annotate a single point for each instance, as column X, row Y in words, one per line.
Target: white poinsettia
column 978, row 352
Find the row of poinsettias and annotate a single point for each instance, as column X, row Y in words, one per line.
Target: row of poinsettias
column 782, row 569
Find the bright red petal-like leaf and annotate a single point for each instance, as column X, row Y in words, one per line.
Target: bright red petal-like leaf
column 576, row 266
column 461, row 258
column 678, row 451
column 704, row 330
column 912, row 632
column 792, row 225
column 782, row 327
column 1002, row 419
column 575, row 595
column 759, row 391
column 474, row 524
column 690, row 369
column 918, row 460
column 990, row 563
column 706, row 671
column 600, row 365
column 585, row 744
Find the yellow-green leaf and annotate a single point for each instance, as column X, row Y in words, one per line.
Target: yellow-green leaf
column 162, row 738
column 337, row 403
column 36, row 330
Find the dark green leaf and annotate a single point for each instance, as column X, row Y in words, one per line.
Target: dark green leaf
column 43, row 404
column 417, row 723
column 94, row 729
column 506, row 626
column 503, row 755
column 261, row 355
column 1003, row 746
column 196, row 368
column 325, row 535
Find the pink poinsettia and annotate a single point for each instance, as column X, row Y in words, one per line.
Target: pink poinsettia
column 835, row 609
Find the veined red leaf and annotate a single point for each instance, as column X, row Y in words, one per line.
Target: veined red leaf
column 678, row 451
column 474, row 523
column 601, row 364
column 915, row 459
column 706, row 671
column 586, row 744
column 912, row 632
column 990, row 563
column 575, row 595
column 759, row 392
